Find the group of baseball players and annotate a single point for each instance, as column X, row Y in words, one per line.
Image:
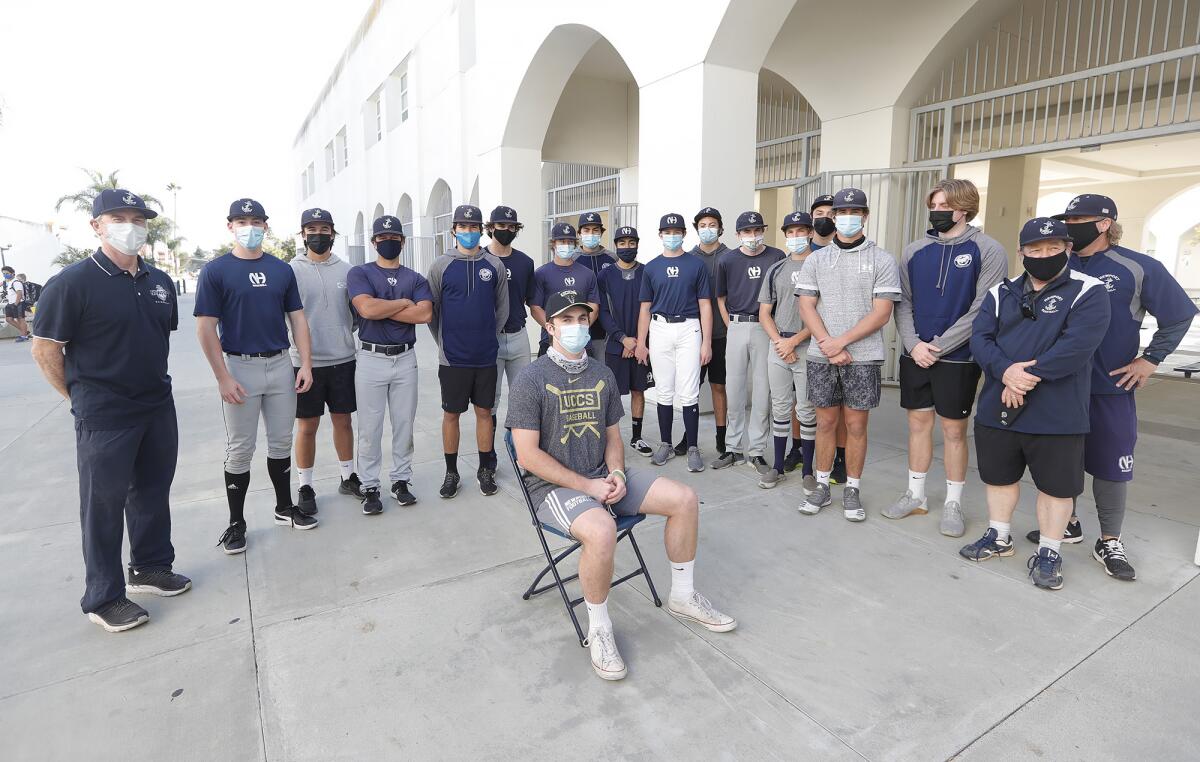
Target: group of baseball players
column 791, row 342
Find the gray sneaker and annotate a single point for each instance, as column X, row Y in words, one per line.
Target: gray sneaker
column 809, row 483
column 727, row 459
column 953, row 523
column 817, row 499
column 664, row 453
column 770, row 479
column 905, row 505
column 852, row 507
column 695, row 462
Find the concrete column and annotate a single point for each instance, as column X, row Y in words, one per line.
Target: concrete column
column 1012, row 193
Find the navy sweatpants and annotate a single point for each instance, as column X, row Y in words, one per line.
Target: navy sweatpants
column 125, row 478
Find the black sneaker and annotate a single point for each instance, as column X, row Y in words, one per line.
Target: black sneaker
column 371, row 504
column 119, row 615
column 1073, row 535
column 641, row 447
column 1111, row 553
column 794, row 460
column 234, row 539
column 487, row 480
column 307, row 502
column 291, row 516
column 838, row 475
column 681, row 448
column 162, row 582
column 351, row 486
column 401, row 493
column 449, row 485
column 1045, row 569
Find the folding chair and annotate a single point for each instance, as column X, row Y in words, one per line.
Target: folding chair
column 625, row 525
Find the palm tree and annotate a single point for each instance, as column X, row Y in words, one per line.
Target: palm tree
column 82, row 200
column 70, row 255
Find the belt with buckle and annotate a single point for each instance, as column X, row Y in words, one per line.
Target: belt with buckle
column 255, row 354
column 670, row 318
column 386, row 349
column 787, row 334
column 735, row 317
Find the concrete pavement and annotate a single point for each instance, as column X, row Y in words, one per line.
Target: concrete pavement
column 404, row 635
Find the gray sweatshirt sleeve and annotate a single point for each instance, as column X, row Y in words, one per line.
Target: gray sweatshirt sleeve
column 435, row 287
column 1166, row 340
column 992, row 270
column 904, row 311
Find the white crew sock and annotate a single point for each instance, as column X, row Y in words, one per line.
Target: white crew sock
column 1003, row 529
column 954, row 491
column 346, row 467
column 1055, row 545
column 853, row 481
column 916, row 484
column 305, row 476
column 682, row 585
column 598, row 615
column 823, row 477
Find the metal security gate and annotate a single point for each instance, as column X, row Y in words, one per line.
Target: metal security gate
column 575, row 189
column 898, row 216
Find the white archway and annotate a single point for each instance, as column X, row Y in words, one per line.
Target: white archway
column 1167, row 234
column 358, row 243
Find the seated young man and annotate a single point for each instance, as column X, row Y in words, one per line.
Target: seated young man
column 564, row 412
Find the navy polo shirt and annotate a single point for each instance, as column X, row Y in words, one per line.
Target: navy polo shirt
column 674, row 285
column 382, row 283
column 520, row 288
column 116, row 328
column 249, row 298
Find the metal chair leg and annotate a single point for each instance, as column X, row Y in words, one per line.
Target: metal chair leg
column 646, row 572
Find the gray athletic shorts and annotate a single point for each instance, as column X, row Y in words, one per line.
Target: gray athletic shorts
column 854, row 386
column 562, row 506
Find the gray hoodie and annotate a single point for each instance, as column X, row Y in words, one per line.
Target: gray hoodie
column 327, row 309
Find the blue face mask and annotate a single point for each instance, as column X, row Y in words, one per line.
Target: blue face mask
column 468, row 240
column 574, row 337
column 796, row 244
column 249, row 236
column 849, row 225
column 707, row 235
column 565, row 251
column 590, row 240
column 672, row 241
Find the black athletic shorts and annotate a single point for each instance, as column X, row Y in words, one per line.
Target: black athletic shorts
column 464, row 386
column 13, row 311
column 631, row 374
column 714, row 372
column 1055, row 461
column 332, row 385
column 947, row 387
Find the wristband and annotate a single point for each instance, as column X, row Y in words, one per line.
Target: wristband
column 618, row 472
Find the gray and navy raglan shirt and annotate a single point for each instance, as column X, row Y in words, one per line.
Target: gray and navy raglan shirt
column 846, row 282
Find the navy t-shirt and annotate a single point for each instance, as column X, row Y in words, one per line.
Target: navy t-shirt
column 382, row 283
column 249, row 298
column 520, row 288
column 740, row 277
column 673, row 285
column 551, row 277
column 117, row 330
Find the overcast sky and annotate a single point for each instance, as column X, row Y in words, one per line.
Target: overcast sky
column 208, row 95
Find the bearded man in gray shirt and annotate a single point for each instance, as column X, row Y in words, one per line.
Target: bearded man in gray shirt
column 564, row 411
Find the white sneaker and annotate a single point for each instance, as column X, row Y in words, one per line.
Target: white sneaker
column 606, row 659
column 698, row 609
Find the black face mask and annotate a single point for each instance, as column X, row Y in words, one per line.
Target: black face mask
column 503, row 237
column 318, row 243
column 942, row 221
column 1045, row 268
column 824, row 226
column 1082, row 234
column 627, row 255
column 389, row 249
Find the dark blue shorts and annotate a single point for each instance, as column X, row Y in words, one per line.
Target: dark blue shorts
column 1108, row 448
column 631, row 374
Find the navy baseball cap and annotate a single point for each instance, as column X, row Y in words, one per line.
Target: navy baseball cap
column 796, row 218
column 503, row 214
column 246, row 207
column 387, row 224
column 112, row 199
column 468, row 213
column 708, row 211
column 590, row 218
column 626, row 232
column 1044, row 229
column 562, row 230
column 850, row 198
column 1090, row 205
column 671, row 221
column 822, row 200
column 559, row 302
column 316, row 215
column 749, row 220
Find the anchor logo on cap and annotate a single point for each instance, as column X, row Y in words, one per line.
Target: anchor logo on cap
column 1046, row 229
column 129, row 198
column 248, row 206
column 849, row 195
column 752, row 218
column 387, row 222
column 1074, row 202
column 508, row 213
column 467, row 213
column 316, row 214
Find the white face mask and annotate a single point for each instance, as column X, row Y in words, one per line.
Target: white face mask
column 751, row 243
column 125, row 237
column 849, row 225
column 796, row 244
column 707, row 235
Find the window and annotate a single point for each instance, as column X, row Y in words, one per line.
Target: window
column 404, row 96
column 342, row 149
column 312, row 179
column 304, row 184
column 330, row 161
column 378, row 104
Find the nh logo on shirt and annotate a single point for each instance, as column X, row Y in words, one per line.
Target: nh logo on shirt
column 1125, row 463
column 1110, row 282
column 258, row 280
column 568, row 281
column 795, row 279
column 754, row 272
column 1050, row 305
column 391, row 281
column 672, row 272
